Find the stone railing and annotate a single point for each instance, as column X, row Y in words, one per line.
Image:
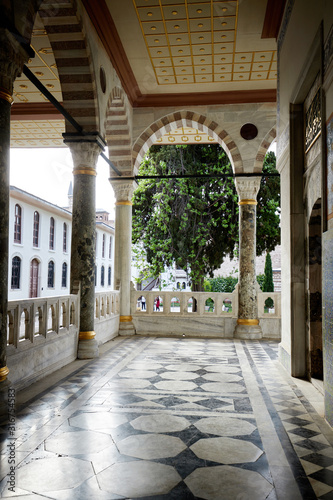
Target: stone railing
column 42, row 335
column 106, row 315
column 106, row 304
column 31, row 319
column 199, row 313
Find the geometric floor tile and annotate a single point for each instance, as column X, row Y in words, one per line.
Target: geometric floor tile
column 151, row 446
column 78, row 443
column 102, row 421
column 225, row 426
column 226, row 450
column 171, row 419
column 138, row 479
column 160, row 423
column 48, row 474
column 226, row 483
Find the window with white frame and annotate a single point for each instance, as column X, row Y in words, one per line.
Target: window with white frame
column 16, row 273
column 64, row 275
column 50, row 274
column 35, row 235
column 51, row 238
column 17, row 223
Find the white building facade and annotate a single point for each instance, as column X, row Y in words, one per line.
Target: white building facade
column 40, row 248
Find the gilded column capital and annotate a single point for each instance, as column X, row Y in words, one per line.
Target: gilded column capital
column 12, row 59
column 247, row 189
column 123, row 191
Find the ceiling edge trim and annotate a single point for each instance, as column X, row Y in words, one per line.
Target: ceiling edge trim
column 210, row 98
column 100, row 17
column 273, row 18
column 34, row 111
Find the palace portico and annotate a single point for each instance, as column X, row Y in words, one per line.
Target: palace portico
column 132, row 74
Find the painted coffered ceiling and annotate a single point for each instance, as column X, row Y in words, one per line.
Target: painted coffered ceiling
column 166, row 53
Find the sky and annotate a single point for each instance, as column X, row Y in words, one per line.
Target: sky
column 47, row 173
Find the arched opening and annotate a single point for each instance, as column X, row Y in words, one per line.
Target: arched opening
column 190, row 119
column 314, row 305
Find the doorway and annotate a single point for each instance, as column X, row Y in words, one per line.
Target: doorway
column 314, row 316
column 34, row 272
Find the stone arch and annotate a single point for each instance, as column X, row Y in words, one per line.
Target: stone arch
column 186, row 119
column 262, row 150
column 118, row 132
column 74, row 62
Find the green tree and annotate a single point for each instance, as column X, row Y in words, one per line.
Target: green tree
column 192, row 222
column 221, row 284
column 268, row 285
column 268, row 208
column 189, row 221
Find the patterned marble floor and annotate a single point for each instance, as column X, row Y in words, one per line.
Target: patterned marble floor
column 166, row 418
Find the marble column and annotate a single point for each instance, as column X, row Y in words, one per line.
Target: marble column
column 247, row 323
column 85, row 152
column 123, row 251
column 12, row 59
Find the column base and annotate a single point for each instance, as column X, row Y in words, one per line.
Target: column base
column 4, row 387
column 248, row 330
column 126, row 326
column 88, row 349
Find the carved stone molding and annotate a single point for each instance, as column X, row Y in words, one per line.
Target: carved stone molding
column 85, row 155
column 12, row 59
column 123, row 190
column 247, row 187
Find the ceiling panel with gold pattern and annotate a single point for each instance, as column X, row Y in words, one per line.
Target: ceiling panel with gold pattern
column 191, row 46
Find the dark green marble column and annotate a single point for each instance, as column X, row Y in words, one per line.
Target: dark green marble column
column 5, row 100
column 85, row 152
column 247, row 323
column 12, row 59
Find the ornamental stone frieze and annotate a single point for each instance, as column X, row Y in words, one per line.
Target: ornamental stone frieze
column 123, row 190
column 247, row 187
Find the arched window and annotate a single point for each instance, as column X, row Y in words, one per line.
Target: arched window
column 183, row 285
column 109, row 276
column 103, row 247
column 17, row 224
column 35, row 236
column 110, row 247
column 95, row 275
column 51, row 239
column 16, row 272
column 102, row 276
column 64, row 238
column 64, row 275
column 50, row 275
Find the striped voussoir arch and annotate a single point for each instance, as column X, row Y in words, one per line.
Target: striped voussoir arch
column 266, row 142
column 73, row 61
column 186, row 119
column 117, row 132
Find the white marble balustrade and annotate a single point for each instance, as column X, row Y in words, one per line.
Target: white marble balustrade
column 215, row 313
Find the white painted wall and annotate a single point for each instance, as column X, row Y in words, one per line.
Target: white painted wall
column 106, row 261
column 27, row 252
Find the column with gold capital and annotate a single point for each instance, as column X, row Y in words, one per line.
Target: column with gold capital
column 247, row 323
column 12, row 58
column 123, row 251
column 85, row 151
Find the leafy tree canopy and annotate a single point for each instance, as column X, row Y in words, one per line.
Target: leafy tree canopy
column 192, row 222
